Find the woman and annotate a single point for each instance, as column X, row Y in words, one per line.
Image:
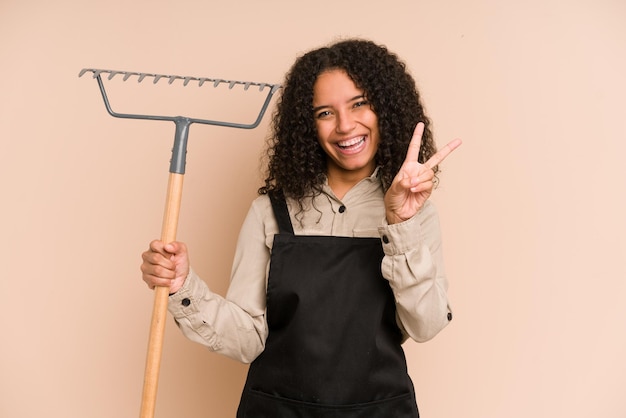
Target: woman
column 339, row 259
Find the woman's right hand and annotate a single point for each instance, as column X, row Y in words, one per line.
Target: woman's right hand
column 165, row 265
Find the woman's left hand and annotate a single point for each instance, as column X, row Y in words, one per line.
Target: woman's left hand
column 413, row 184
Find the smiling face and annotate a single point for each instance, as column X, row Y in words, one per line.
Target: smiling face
column 347, row 128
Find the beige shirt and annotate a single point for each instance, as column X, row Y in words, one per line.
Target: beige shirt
column 235, row 325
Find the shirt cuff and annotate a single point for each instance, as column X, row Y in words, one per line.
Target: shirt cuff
column 185, row 302
column 401, row 237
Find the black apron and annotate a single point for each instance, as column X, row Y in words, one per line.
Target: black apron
column 333, row 348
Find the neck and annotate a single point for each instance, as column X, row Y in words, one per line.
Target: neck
column 341, row 182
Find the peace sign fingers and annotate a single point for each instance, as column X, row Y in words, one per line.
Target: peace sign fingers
column 413, row 150
column 413, row 184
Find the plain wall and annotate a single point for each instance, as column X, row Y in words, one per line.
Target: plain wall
column 532, row 205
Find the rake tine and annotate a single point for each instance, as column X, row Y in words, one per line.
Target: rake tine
column 174, row 77
column 128, row 74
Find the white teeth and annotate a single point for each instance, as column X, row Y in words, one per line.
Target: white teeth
column 350, row 142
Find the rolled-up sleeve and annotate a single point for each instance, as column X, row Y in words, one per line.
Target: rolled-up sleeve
column 413, row 265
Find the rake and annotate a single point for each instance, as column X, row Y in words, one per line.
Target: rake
column 174, row 194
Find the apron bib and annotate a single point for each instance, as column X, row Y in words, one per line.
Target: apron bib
column 333, row 348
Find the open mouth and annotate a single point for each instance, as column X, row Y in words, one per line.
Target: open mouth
column 351, row 144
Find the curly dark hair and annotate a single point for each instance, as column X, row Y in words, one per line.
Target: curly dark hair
column 296, row 163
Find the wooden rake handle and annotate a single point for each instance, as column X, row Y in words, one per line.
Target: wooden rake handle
column 161, row 294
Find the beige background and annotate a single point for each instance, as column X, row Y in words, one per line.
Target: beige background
column 532, row 205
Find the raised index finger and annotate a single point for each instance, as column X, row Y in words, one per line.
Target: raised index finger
column 413, row 152
column 440, row 155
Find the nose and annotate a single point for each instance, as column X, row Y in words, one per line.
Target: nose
column 345, row 122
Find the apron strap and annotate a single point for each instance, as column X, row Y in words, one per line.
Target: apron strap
column 279, row 205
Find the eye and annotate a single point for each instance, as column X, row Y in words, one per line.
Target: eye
column 361, row 103
column 323, row 114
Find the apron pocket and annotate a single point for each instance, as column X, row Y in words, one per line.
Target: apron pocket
column 256, row 404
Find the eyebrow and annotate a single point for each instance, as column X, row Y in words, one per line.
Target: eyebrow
column 360, row 96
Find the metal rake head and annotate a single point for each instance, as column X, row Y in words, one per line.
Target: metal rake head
column 126, row 75
column 177, row 163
